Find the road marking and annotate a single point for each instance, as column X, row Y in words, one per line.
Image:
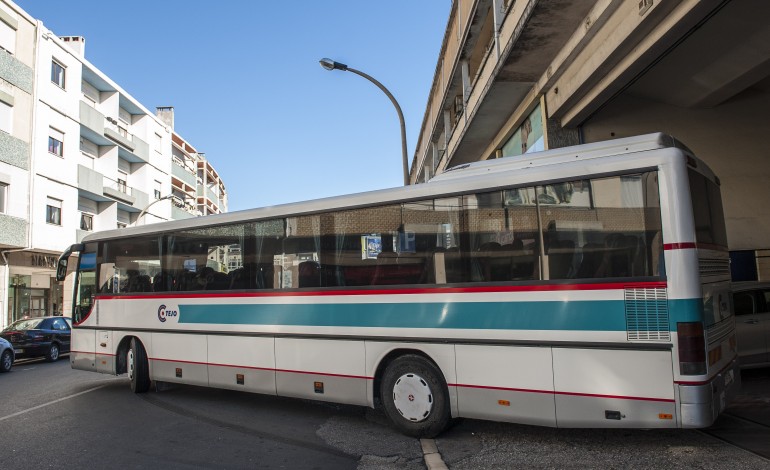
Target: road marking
column 51, row 402
column 431, row 455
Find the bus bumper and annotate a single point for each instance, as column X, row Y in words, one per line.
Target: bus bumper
column 700, row 404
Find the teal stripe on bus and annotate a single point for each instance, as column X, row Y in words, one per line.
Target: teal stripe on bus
column 554, row 315
column 581, row 315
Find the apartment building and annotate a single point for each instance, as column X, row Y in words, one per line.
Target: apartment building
column 78, row 154
column 518, row 76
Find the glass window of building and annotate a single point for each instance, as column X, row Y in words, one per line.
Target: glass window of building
column 3, row 197
column 6, row 117
column 55, row 142
column 58, row 74
column 53, row 211
column 528, row 137
column 7, row 38
column 86, row 222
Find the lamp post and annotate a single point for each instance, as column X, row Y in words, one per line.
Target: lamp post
column 329, row 64
column 147, row 207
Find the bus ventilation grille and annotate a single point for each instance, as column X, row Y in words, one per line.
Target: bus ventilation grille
column 710, row 267
column 647, row 315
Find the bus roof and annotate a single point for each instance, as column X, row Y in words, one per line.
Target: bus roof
column 466, row 177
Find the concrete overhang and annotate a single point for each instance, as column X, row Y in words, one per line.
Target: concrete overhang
column 689, row 54
column 525, row 58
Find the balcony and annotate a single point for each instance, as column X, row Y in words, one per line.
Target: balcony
column 96, row 187
column 183, row 174
column 130, row 147
column 14, row 151
column 13, row 71
column 13, row 232
column 493, row 55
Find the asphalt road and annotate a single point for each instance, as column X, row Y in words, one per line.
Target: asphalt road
column 52, row 416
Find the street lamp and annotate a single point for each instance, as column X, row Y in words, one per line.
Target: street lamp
column 147, row 207
column 329, row 64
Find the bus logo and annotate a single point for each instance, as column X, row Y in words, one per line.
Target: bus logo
column 163, row 313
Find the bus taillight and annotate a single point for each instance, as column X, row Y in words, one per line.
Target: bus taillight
column 692, row 348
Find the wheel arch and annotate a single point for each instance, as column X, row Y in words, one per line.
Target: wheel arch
column 120, row 354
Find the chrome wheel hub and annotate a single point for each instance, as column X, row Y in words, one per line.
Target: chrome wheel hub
column 412, row 397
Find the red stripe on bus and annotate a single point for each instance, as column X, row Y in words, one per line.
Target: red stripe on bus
column 679, row 246
column 576, row 394
column 407, row 291
column 692, row 246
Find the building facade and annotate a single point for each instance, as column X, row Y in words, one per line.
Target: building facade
column 516, row 76
column 77, row 154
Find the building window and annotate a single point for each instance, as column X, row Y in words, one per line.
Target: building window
column 121, row 225
column 6, row 117
column 3, row 196
column 86, row 222
column 122, row 186
column 55, row 142
column 57, row 73
column 158, row 143
column 53, row 211
column 90, row 93
column 7, row 38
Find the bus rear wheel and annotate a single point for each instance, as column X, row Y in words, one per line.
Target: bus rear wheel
column 137, row 367
column 414, row 395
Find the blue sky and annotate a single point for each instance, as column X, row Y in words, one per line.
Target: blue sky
column 244, row 80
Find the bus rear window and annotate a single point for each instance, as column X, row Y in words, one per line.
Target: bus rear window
column 707, row 209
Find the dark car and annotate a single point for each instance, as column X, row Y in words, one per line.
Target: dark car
column 752, row 322
column 39, row 337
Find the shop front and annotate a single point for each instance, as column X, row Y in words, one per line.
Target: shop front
column 32, row 287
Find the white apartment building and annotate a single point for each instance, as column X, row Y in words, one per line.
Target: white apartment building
column 77, row 154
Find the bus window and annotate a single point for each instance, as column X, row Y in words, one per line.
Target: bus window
column 202, row 259
column 428, row 231
column 129, row 265
column 262, row 246
column 356, row 245
column 599, row 228
column 299, row 265
column 503, row 235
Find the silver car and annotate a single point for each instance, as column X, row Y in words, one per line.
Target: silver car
column 752, row 323
column 7, row 355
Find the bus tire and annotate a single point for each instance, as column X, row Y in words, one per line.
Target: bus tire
column 53, row 353
column 415, row 397
column 137, row 367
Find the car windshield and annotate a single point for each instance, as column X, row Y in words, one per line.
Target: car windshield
column 21, row 325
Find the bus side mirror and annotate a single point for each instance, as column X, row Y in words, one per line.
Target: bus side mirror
column 61, row 269
column 61, row 266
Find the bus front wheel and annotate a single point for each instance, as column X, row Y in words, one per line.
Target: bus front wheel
column 414, row 395
column 138, row 368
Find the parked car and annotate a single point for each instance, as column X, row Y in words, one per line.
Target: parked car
column 6, row 355
column 39, row 337
column 751, row 301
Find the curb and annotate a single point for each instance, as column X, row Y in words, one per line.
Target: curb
column 431, row 455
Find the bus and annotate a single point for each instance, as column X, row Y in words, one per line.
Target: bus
column 586, row 286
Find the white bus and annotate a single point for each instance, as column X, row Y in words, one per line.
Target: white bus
column 577, row 287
